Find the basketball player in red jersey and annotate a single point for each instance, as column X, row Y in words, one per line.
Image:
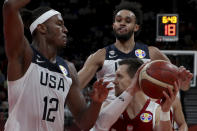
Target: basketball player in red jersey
column 131, row 110
column 40, row 83
column 127, row 20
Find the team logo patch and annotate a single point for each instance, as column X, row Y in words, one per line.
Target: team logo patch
column 63, row 69
column 112, row 52
column 129, row 128
column 140, row 53
column 146, row 117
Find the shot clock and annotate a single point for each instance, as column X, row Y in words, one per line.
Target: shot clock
column 167, row 27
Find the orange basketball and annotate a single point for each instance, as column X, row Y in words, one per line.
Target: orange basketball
column 156, row 76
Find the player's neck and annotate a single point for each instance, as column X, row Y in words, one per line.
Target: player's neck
column 138, row 98
column 136, row 104
column 45, row 49
column 125, row 46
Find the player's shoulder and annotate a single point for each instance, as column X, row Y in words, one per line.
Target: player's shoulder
column 153, row 51
column 156, row 54
column 69, row 63
column 72, row 69
column 98, row 56
column 101, row 51
column 153, row 48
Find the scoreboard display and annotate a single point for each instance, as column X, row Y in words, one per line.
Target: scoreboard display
column 167, row 27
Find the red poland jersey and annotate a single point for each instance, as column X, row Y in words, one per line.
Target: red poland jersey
column 144, row 121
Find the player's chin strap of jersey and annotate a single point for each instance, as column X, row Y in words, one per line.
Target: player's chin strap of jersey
column 110, row 114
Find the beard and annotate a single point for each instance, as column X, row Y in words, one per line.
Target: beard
column 123, row 37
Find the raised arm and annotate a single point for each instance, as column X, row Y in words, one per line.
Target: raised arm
column 92, row 64
column 17, row 48
column 84, row 115
column 163, row 122
column 156, row 54
column 179, row 116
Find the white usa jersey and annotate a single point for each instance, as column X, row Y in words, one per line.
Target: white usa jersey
column 36, row 101
column 113, row 55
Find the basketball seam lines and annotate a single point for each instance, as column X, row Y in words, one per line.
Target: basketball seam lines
column 153, row 80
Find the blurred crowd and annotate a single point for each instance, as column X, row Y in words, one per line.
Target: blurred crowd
column 89, row 24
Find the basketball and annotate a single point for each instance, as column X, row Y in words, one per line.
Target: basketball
column 156, row 76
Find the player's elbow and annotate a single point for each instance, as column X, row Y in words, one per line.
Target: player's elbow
column 8, row 6
column 9, row 9
column 84, row 124
column 13, row 6
column 104, row 122
column 183, row 127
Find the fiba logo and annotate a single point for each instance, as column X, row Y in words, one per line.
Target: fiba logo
column 140, row 53
column 63, row 69
column 112, row 52
column 146, row 117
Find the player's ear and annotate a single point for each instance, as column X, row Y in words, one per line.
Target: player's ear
column 136, row 27
column 42, row 28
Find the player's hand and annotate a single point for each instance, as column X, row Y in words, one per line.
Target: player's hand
column 100, row 91
column 169, row 98
column 134, row 86
column 185, row 77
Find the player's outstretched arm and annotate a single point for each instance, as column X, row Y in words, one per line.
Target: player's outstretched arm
column 111, row 112
column 179, row 116
column 92, row 64
column 16, row 45
column 84, row 115
column 156, row 54
column 163, row 122
column 185, row 77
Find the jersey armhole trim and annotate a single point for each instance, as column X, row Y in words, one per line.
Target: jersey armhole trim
column 10, row 83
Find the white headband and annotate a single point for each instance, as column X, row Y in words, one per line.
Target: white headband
column 42, row 19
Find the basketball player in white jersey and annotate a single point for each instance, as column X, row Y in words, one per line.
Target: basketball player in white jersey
column 127, row 20
column 39, row 82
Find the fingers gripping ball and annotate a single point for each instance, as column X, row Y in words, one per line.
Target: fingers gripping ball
column 156, row 76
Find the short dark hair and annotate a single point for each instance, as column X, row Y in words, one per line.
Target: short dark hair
column 29, row 17
column 133, row 65
column 131, row 6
